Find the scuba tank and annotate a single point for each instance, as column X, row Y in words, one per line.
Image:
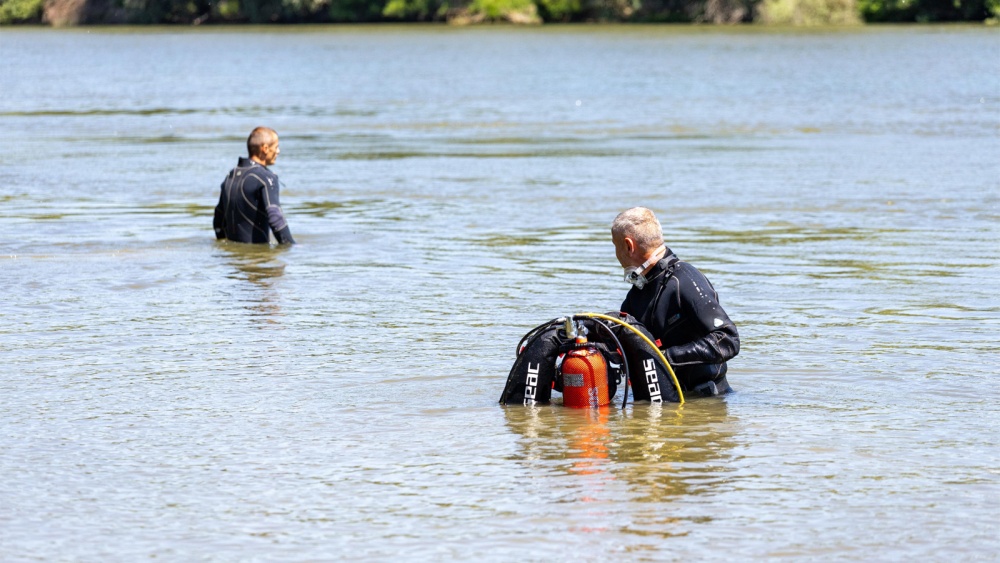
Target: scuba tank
column 584, row 371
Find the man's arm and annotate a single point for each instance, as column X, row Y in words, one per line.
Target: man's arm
column 274, row 214
column 700, row 304
column 219, row 222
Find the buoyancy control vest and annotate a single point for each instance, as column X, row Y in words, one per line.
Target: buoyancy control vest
column 629, row 358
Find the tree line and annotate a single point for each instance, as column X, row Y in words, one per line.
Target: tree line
column 779, row 12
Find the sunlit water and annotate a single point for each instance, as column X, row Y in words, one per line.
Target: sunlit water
column 162, row 394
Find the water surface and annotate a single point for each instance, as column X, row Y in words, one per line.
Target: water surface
column 165, row 395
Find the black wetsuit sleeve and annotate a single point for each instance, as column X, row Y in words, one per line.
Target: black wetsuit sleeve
column 700, row 304
column 284, row 236
column 626, row 307
column 275, row 216
column 219, row 222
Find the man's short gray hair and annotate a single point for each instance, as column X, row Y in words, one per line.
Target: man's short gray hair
column 640, row 225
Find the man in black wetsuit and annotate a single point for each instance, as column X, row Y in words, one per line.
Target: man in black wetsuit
column 248, row 205
column 676, row 303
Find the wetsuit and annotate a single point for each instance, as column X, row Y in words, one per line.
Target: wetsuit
column 681, row 309
column 248, row 206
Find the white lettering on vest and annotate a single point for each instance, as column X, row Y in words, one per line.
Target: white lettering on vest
column 652, row 381
column 531, row 385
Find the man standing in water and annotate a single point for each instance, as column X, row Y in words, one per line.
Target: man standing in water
column 248, row 204
column 676, row 303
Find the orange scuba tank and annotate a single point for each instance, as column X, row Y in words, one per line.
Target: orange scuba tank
column 584, row 375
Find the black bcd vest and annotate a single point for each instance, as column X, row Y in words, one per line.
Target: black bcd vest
column 533, row 375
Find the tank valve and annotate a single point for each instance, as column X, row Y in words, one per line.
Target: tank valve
column 569, row 327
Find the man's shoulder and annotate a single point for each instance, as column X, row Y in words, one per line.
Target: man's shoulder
column 686, row 271
column 265, row 176
column 686, row 267
column 267, row 173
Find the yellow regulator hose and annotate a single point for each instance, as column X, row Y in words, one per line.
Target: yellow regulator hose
column 680, row 394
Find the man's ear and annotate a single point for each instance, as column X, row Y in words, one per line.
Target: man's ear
column 630, row 245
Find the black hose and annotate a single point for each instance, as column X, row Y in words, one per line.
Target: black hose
column 531, row 334
column 621, row 350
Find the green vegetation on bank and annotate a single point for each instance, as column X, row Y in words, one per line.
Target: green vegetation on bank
column 17, row 11
column 779, row 12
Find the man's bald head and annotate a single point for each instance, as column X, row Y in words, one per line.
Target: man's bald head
column 260, row 138
column 262, row 145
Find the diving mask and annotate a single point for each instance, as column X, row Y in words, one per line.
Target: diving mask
column 634, row 274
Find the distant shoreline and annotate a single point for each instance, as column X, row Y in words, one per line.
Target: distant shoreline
column 416, row 26
column 798, row 13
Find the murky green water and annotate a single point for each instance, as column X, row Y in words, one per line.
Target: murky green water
column 165, row 395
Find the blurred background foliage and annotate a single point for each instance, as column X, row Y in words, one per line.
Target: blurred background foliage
column 774, row 12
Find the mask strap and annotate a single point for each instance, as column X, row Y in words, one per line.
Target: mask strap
column 654, row 258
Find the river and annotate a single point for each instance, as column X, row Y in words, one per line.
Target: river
column 166, row 395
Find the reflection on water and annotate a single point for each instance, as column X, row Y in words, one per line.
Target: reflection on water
column 667, row 450
column 659, row 451
column 261, row 266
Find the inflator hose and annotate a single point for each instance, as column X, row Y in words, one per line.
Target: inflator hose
column 527, row 338
column 673, row 376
